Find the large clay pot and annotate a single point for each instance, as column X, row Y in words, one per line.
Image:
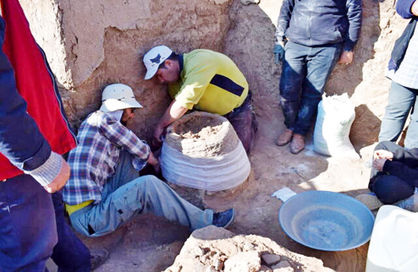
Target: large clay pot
column 202, row 151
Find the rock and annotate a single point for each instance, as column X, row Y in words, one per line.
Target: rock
column 270, row 259
column 243, row 262
column 264, row 268
column 283, row 266
column 216, row 248
column 249, row 2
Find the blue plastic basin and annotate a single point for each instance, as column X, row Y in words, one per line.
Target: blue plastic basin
column 326, row 220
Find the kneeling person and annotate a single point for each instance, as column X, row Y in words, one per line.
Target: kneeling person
column 105, row 190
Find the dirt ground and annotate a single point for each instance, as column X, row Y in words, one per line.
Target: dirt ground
column 149, row 243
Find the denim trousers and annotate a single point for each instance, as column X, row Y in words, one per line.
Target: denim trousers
column 389, row 188
column 29, row 230
column 402, row 101
column 126, row 195
column 304, row 75
column 27, row 225
column 69, row 254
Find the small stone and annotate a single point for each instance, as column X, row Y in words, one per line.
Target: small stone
column 265, row 269
column 248, row 2
column 270, row 259
column 283, row 266
column 218, row 264
column 243, row 262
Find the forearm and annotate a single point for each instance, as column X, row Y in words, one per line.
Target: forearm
column 174, row 112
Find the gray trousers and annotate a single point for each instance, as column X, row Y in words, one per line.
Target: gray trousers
column 126, row 194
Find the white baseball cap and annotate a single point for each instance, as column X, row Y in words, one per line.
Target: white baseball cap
column 118, row 97
column 154, row 57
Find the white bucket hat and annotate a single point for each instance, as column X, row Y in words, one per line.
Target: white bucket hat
column 154, row 57
column 118, row 97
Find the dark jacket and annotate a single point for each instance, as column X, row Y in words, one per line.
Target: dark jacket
column 403, row 7
column 404, row 165
column 320, row 22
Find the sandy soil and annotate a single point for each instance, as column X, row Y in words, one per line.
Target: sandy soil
column 149, row 243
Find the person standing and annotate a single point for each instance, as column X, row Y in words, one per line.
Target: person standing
column 403, row 70
column 33, row 134
column 310, row 38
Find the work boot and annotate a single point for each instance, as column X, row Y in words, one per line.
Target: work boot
column 285, row 137
column 370, row 200
column 297, row 144
column 223, row 219
column 98, row 257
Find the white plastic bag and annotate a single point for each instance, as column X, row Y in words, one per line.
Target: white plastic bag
column 331, row 134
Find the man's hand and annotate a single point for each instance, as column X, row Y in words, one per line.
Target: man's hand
column 379, row 163
column 383, row 154
column 346, row 57
column 278, row 52
column 414, row 8
column 60, row 180
column 154, row 162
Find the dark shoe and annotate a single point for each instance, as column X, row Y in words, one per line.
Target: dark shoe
column 297, row 144
column 223, row 219
column 98, row 257
column 285, row 137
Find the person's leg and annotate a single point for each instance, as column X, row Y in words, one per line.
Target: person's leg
column 411, row 139
column 400, row 102
column 244, row 123
column 390, row 189
column 27, row 225
column 293, row 74
column 124, row 173
column 142, row 195
column 320, row 63
column 70, row 254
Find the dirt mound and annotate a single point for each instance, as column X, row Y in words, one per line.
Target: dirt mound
column 202, row 135
column 217, row 249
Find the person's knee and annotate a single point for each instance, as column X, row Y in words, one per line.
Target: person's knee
column 390, row 189
column 150, row 181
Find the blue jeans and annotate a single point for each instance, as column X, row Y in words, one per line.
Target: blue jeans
column 304, row 75
column 27, row 225
column 69, row 254
column 389, row 188
column 402, row 100
column 126, row 195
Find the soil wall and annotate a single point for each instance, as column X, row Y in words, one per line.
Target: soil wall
column 90, row 44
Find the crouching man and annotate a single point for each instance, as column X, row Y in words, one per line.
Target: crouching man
column 105, row 190
column 204, row 80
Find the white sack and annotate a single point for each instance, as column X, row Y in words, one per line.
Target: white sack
column 331, row 134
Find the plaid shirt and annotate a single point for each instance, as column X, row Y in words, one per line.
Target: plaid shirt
column 101, row 139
